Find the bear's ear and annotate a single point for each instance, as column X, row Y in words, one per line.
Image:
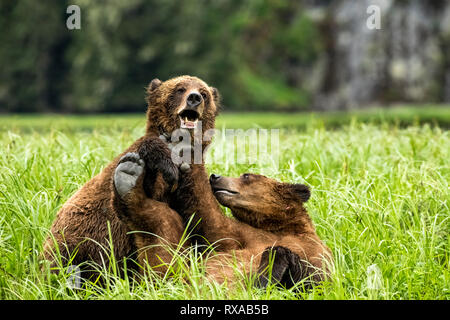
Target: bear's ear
column 155, row 83
column 216, row 98
column 302, row 191
column 215, row 94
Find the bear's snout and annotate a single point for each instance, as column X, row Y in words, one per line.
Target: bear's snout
column 194, row 99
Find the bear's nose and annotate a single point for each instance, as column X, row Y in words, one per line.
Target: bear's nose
column 194, row 99
column 214, row 177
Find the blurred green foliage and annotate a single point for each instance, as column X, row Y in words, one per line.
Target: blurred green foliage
column 245, row 48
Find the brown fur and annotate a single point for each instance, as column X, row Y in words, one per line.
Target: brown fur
column 270, row 218
column 270, row 221
column 157, row 228
column 86, row 215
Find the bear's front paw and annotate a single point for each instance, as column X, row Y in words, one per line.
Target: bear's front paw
column 170, row 173
column 158, row 158
column 130, row 168
column 185, row 167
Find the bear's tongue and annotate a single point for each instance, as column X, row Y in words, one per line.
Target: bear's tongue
column 188, row 124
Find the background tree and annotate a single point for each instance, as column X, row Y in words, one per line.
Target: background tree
column 277, row 55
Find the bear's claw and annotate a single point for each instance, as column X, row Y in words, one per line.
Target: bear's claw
column 158, row 158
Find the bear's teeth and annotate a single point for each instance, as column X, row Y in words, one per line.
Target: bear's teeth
column 188, row 124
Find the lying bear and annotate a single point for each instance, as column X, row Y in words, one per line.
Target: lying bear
column 271, row 224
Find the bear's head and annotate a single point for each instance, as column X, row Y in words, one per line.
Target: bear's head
column 262, row 202
column 182, row 102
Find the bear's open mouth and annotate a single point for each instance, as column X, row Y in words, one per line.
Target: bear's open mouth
column 224, row 191
column 189, row 119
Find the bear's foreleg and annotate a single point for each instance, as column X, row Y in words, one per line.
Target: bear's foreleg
column 157, row 229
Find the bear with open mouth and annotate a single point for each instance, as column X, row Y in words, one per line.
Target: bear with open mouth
column 93, row 220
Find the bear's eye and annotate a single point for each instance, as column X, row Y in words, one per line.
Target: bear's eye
column 181, row 90
column 204, row 96
column 245, row 176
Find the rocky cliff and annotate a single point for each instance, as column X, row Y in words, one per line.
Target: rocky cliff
column 406, row 60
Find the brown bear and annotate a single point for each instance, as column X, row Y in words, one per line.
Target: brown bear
column 91, row 218
column 271, row 224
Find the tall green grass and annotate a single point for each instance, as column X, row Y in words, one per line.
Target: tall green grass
column 380, row 201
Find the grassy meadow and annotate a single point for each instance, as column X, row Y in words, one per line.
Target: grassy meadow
column 380, row 201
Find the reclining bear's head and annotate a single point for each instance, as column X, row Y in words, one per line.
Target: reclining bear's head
column 181, row 102
column 263, row 202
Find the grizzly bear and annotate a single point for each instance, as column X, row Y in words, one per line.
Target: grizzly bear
column 271, row 224
column 92, row 221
